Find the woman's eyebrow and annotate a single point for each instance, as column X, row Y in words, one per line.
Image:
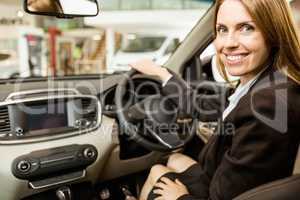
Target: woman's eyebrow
column 220, row 24
column 245, row 22
column 238, row 24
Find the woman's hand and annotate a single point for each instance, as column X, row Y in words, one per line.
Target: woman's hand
column 148, row 67
column 169, row 190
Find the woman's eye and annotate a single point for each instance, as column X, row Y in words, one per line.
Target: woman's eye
column 221, row 29
column 247, row 28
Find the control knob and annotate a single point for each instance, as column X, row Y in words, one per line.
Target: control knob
column 89, row 153
column 24, row 166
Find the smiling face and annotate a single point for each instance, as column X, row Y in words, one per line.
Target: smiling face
column 239, row 42
column 41, row 5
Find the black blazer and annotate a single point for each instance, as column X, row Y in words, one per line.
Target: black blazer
column 259, row 139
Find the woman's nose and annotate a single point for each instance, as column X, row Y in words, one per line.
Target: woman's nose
column 231, row 41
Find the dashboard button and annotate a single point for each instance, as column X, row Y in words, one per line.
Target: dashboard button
column 89, row 153
column 19, row 131
column 24, row 166
column 82, row 123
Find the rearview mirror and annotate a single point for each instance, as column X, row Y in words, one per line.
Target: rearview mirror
column 62, row 8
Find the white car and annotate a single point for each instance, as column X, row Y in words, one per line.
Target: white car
column 134, row 47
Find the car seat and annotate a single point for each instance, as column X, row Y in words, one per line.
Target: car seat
column 284, row 189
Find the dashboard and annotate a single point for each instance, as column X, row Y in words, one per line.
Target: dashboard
column 36, row 119
column 139, row 89
column 49, row 129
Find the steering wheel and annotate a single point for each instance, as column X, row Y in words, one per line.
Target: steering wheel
column 155, row 116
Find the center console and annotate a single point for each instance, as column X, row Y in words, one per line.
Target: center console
column 50, row 117
column 55, row 166
column 51, row 139
column 78, row 191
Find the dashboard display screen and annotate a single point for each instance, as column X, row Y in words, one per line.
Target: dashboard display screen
column 47, row 116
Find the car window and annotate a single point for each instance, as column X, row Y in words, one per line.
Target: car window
column 172, row 46
column 124, row 31
column 133, row 43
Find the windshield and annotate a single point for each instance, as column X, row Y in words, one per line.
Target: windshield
column 41, row 46
column 140, row 44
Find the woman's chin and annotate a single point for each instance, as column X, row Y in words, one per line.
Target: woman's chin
column 232, row 72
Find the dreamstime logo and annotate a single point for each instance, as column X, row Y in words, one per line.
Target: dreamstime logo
column 147, row 128
column 225, row 128
column 55, row 89
column 206, row 98
column 185, row 99
column 279, row 121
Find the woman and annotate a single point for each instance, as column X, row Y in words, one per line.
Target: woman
column 45, row 6
column 257, row 42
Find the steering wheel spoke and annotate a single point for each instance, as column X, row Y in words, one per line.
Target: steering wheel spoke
column 170, row 139
column 136, row 112
column 157, row 113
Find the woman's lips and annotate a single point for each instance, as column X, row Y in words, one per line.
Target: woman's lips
column 236, row 59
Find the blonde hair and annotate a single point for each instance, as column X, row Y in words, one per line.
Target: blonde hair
column 274, row 19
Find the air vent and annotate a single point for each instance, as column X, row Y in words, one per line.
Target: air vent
column 4, row 120
column 41, row 93
column 89, row 107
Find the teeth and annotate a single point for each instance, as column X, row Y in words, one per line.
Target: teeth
column 234, row 58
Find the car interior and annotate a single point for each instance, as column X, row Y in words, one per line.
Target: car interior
column 91, row 143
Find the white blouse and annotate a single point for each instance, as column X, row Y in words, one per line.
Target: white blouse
column 239, row 92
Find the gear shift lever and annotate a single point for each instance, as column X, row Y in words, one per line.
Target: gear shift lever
column 64, row 193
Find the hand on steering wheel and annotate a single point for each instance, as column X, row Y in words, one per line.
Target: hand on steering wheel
column 148, row 67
